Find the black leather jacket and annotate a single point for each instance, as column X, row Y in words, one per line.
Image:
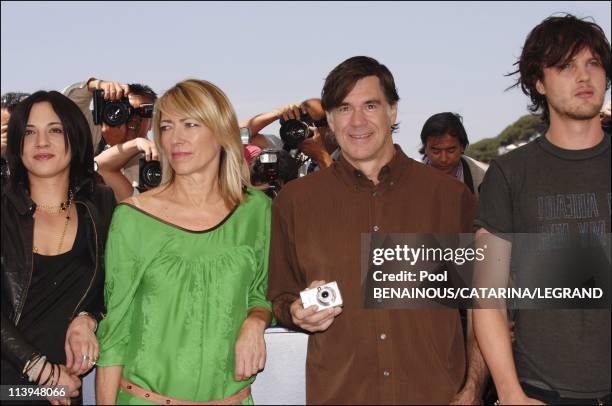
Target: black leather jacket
column 17, row 261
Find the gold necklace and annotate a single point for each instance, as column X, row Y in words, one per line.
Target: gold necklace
column 55, row 209
column 59, row 246
column 64, row 206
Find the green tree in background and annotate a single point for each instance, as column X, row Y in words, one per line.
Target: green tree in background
column 519, row 131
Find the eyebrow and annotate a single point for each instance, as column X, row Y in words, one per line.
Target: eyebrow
column 182, row 120
column 372, row 101
column 573, row 59
column 53, row 123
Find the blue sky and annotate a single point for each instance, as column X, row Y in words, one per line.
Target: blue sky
column 445, row 56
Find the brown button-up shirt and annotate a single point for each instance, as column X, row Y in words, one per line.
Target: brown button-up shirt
column 368, row 356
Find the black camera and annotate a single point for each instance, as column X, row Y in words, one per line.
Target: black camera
column 274, row 167
column 293, row 131
column 149, row 174
column 116, row 112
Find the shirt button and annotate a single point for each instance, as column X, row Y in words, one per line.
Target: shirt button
column 383, row 336
column 376, row 228
column 391, row 183
column 374, row 194
column 386, row 373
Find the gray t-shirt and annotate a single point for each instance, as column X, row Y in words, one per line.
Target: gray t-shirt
column 541, row 188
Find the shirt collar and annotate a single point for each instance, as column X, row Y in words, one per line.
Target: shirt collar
column 389, row 173
column 457, row 173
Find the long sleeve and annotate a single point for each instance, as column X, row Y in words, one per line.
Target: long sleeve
column 259, row 286
column 286, row 280
column 15, row 347
column 123, row 275
column 102, row 210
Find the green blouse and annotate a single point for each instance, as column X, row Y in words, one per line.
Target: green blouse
column 176, row 299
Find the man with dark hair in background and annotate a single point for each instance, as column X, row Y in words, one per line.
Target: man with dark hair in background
column 117, row 149
column 557, row 185
column 357, row 355
column 444, row 141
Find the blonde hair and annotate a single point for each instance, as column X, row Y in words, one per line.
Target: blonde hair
column 206, row 103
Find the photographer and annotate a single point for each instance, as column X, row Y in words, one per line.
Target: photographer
column 319, row 144
column 133, row 120
column 111, row 161
column 10, row 100
column 272, row 169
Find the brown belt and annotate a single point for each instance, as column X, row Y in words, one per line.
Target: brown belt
column 151, row 396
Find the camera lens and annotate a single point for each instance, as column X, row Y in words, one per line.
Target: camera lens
column 150, row 174
column 325, row 296
column 115, row 114
column 293, row 132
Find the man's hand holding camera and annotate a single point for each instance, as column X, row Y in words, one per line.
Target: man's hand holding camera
column 112, row 90
column 310, row 319
column 290, row 112
column 148, row 149
column 314, row 146
column 315, row 149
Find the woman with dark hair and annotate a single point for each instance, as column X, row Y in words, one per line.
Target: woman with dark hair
column 55, row 217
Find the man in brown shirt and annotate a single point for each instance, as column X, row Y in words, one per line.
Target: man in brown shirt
column 358, row 355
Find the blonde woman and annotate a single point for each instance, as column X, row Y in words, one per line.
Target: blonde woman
column 187, row 266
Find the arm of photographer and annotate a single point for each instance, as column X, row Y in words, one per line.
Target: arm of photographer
column 261, row 121
column 315, row 149
column 111, row 161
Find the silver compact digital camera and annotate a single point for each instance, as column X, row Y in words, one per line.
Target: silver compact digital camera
column 324, row 296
